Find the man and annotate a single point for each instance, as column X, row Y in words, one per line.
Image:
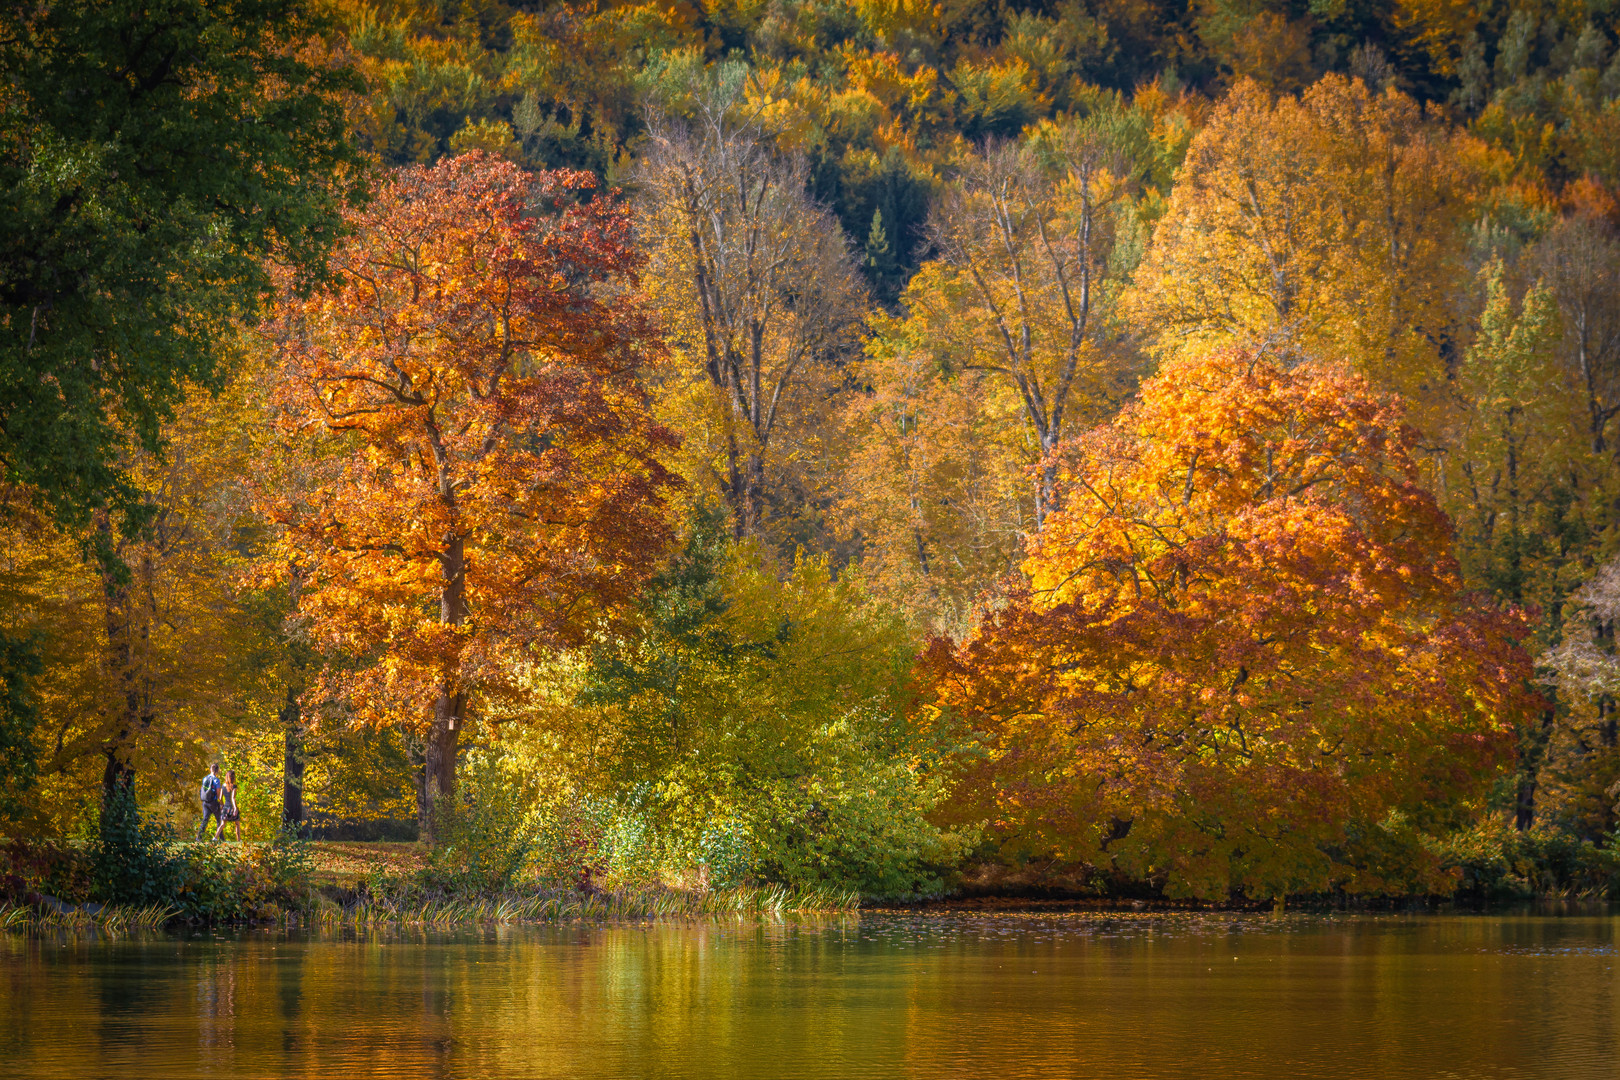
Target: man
column 211, row 787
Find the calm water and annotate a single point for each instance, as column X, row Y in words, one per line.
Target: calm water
column 879, row 995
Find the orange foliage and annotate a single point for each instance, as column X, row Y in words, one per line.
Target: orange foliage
column 1244, row 660
column 498, row 483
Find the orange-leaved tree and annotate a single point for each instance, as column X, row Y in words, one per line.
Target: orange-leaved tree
column 1243, row 660
column 489, row 477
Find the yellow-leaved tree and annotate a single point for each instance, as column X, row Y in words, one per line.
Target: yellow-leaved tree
column 759, row 296
column 1010, row 341
column 1332, row 222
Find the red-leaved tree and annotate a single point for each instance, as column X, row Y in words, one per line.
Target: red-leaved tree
column 1244, row 659
column 483, row 472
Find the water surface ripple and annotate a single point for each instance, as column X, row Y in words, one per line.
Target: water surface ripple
column 879, row 995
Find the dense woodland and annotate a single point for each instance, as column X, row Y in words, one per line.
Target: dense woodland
column 823, row 442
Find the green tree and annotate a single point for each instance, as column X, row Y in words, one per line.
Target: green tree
column 153, row 156
column 764, row 727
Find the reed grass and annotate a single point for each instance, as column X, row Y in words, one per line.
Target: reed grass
column 551, row 906
column 111, row 919
column 375, row 913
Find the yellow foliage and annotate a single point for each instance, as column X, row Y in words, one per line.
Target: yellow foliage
column 1330, row 224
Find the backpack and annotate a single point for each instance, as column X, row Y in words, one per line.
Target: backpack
column 210, row 790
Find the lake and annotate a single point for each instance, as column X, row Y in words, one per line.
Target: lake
column 880, row 995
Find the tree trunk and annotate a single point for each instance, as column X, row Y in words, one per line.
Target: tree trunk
column 292, row 763
column 1532, row 748
column 450, row 708
column 754, row 492
column 439, row 763
column 734, row 489
column 132, row 719
column 117, row 774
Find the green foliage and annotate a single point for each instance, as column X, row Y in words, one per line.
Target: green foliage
column 1496, row 862
column 145, row 177
column 486, row 838
column 134, row 861
column 763, row 728
column 226, row 884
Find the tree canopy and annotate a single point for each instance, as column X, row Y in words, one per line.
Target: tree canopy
column 154, row 159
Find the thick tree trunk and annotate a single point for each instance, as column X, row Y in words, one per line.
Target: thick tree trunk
column 1532, row 748
column 292, row 763
column 439, row 764
column 450, row 708
column 133, row 717
column 118, row 774
column 754, row 492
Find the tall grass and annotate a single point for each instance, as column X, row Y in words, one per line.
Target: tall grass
column 542, row 906
column 548, row 906
column 111, row 919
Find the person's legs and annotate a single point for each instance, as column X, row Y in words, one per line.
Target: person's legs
column 209, row 814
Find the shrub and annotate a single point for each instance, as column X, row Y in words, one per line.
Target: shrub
column 1497, row 862
column 134, row 861
column 52, row 868
column 486, row 838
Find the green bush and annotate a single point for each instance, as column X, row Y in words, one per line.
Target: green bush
column 486, row 838
column 227, row 884
column 133, row 861
column 1497, row 862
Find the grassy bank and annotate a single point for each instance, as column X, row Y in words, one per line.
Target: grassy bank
column 366, row 886
column 546, row 906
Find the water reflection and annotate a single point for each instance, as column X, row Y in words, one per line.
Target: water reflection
column 884, row 995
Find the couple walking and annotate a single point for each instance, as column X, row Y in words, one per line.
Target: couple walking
column 219, row 803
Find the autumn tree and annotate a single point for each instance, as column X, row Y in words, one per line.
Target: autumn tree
column 758, row 291
column 1024, row 279
column 1244, row 659
column 149, row 657
column 1008, row 340
column 1579, row 259
column 1579, row 778
column 495, row 483
column 1516, row 453
column 934, row 478
column 754, row 724
column 1332, row 222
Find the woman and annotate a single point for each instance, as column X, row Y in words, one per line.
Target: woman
column 228, row 813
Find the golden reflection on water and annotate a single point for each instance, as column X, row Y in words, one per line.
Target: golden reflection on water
column 887, row 995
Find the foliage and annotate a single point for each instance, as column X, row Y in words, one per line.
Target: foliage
column 757, row 289
column 220, row 885
column 1243, row 634
column 1026, row 277
column 486, row 838
column 146, row 180
column 1329, row 223
column 20, row 663
column 491, row 479
column 1496, row 862
column 752, row 728
column 134, row 861
column 883, row 270
column 35, row 867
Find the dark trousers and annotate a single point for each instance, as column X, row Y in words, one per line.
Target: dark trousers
column 210, row 813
